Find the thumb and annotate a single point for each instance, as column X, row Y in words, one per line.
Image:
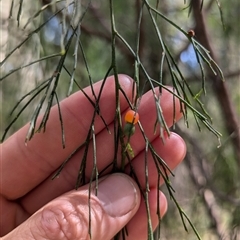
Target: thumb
column 67, row 217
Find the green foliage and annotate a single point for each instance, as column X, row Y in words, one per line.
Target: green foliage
column 146, row 40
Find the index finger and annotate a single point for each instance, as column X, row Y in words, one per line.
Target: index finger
column 24, row 167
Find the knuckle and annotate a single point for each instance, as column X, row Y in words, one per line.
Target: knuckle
column 64, row 221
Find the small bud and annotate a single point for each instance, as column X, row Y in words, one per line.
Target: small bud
column 129, row 129
column 191, row 33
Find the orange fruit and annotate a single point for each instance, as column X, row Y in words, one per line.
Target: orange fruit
column 131, row 117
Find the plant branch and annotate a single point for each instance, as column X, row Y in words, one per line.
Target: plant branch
column 219, row 87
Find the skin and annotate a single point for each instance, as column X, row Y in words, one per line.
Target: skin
column 27, row 191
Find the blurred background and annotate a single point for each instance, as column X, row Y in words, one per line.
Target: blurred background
column 207, row 183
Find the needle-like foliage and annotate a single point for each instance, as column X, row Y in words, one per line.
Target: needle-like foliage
column 71, row 18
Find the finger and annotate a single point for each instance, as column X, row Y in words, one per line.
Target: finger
column 27, row 166
column 48, row 190
column 172, row 151
column 138, row 225
column 67, row 217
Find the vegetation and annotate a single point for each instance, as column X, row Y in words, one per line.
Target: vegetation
column 53, row 48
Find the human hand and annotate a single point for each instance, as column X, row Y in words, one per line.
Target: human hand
column 34, row 207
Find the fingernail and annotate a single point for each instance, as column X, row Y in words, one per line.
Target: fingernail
column 118, row 194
